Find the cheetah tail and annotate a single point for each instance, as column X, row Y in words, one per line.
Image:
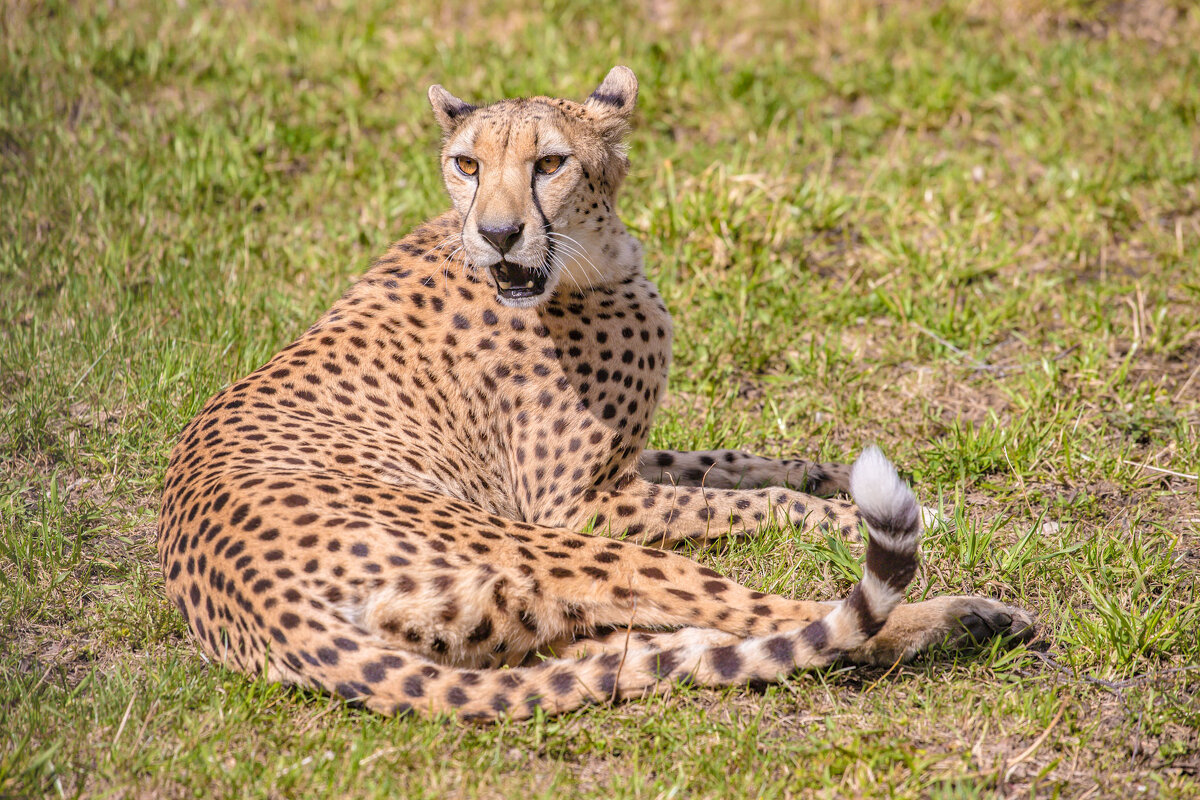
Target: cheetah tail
column 395, row 682
column 893, row 520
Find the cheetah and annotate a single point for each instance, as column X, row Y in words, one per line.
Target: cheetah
column 438, row 498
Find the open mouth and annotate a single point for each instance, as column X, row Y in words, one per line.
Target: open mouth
column 515, row 281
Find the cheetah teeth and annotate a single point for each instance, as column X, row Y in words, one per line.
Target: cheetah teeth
column 506, row 285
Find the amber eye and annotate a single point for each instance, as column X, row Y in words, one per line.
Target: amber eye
column 467, row 166
column 548, row 165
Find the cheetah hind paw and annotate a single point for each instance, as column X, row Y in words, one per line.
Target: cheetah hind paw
column 952, row 623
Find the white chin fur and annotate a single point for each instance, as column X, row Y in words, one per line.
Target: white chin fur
column 876, row 487
column 523, row 302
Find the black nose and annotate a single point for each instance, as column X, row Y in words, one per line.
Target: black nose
column 503, row 238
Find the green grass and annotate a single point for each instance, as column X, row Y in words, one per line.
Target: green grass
column 969, row 234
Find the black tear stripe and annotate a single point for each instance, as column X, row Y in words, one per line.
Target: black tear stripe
column 462, row 234
column 546, row 229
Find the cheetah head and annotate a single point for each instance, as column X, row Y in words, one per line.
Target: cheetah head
column 535, row 181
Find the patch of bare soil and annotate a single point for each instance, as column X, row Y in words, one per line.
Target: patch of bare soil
column 754, row 26
column 1159, row 22
column 72, row 596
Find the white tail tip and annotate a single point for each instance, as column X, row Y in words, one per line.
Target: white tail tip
column 877, row 489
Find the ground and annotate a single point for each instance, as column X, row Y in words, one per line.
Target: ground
column 968, row 231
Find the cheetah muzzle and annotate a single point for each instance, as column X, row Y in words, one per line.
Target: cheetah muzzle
column 392, row 508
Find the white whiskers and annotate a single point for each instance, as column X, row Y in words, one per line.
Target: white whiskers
column 573, row 248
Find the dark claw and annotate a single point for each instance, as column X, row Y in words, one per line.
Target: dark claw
column 982, row 627
column 976, row 628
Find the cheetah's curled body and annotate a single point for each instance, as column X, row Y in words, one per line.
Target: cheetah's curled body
column 390, row 508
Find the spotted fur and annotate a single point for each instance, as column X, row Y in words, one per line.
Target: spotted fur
column 391, row 508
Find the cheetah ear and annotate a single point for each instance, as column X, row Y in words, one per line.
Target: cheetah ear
column 614, row 99
column 447, row 108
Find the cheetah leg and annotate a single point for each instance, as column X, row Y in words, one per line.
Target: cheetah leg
column 620, row 585
column 912, row 628
column 734, row 469
column 658, row 588
column 664, row 516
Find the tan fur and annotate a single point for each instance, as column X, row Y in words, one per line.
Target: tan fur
column 391, row 507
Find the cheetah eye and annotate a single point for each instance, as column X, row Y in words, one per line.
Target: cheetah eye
column 548, row 165
column 466, row 165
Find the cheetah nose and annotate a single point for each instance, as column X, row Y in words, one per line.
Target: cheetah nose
column 503, row 238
